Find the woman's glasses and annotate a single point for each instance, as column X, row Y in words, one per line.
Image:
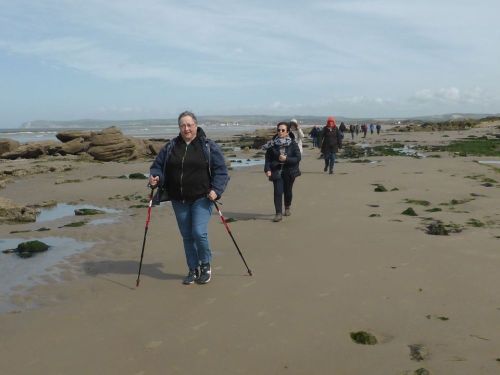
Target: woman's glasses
column 281, row 130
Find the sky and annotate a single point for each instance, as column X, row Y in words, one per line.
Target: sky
column 128, row 59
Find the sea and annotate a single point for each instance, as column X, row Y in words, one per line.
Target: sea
column 24, row 135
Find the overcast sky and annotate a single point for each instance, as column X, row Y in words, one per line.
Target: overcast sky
column 129, row 59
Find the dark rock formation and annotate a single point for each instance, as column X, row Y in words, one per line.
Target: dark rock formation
column 68, row 136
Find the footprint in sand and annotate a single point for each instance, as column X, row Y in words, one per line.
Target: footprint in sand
column 197, row 327
column 154, row 344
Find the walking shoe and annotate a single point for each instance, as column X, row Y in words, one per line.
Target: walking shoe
column 287, row 211
column 277, row 218
column 205, row 275
column 191, row 277
column 325, row 169
column 331, row 171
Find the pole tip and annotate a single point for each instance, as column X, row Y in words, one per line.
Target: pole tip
column 250, row 273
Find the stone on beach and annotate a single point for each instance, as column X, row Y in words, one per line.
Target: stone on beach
column 8, row 145
column 13, row 213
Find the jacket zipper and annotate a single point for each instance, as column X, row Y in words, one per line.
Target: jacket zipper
column 182, row 171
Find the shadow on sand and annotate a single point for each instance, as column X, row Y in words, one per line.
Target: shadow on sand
column 127, row 267
column 245, row 216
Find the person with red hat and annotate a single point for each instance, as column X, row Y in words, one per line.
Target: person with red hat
column 332, row 142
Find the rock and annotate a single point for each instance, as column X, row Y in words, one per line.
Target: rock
column 32, row 246
column 110, row 144
column 28, row 249
column 33, row 150
column 75, row 146
column 8, row 145
column 73, row 134
column 107, row 136
column 49, row 203
column 155, row 146
column 13, row 213
column 88, row 211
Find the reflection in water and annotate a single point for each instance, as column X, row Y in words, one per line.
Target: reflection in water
column 25, row 273
column 236, row 163
column 63, row 210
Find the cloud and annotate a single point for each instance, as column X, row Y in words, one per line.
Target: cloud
column 450, row 95
column 88, row 56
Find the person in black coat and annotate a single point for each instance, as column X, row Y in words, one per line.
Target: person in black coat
column 332, row 142
column 282, row 167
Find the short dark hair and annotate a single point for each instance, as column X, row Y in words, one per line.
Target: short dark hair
column 287, row 124
column 187, row 113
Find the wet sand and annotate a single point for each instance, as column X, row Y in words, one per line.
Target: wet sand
column 326, row 271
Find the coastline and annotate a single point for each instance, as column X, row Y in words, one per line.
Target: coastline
column 329, row 269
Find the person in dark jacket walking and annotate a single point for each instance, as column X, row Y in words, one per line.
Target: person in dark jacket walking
column 192, row 170
column 332, row 142
column 314, row 136
column 282, row 167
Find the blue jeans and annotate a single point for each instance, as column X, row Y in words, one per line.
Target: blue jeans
column 329, row 160
column 192, row 219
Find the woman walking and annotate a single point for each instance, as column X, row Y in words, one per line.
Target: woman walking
column 191, row 169
column 297, row 133
column 332, row 142
column 282, row 167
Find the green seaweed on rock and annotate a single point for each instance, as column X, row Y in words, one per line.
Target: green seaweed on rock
column 363, row 338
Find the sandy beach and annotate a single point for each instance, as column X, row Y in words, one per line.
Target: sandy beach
column 346, row 260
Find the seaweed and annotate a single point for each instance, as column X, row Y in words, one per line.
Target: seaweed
column 88, row 211
column 419, row 202
column 74, row 224
column 363, row 338
column 435, row 209
column 475, row 223
column 380, row 188
column 137, row 176
column 409, row 212
column 437, row 229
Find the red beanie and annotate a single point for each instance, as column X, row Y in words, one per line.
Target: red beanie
column 331, row 122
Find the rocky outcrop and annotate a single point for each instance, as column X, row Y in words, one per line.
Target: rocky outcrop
column 70, row 135
column 33, row 150
column 106, row 145
column 8, row 145
column 13, row 213
column 75, row 146
column 110, row 144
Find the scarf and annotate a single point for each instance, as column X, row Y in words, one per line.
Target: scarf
column 280, row 142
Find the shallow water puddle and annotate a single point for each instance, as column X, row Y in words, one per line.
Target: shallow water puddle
column 489, row 161
column 236, row 163
column 62, row 210
column 25, row 273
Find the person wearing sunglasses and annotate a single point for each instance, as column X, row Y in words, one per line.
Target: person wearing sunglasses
column 192, row 170
column 282, row 167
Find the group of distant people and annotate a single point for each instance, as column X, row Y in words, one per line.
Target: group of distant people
column 190, row 170
column 354, row 130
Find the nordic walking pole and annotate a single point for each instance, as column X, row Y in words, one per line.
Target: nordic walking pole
column 229, row 231
column 148, row 218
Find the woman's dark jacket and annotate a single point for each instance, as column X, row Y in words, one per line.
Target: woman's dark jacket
column 332, row 140
column 290, row 166
column 189, row 172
